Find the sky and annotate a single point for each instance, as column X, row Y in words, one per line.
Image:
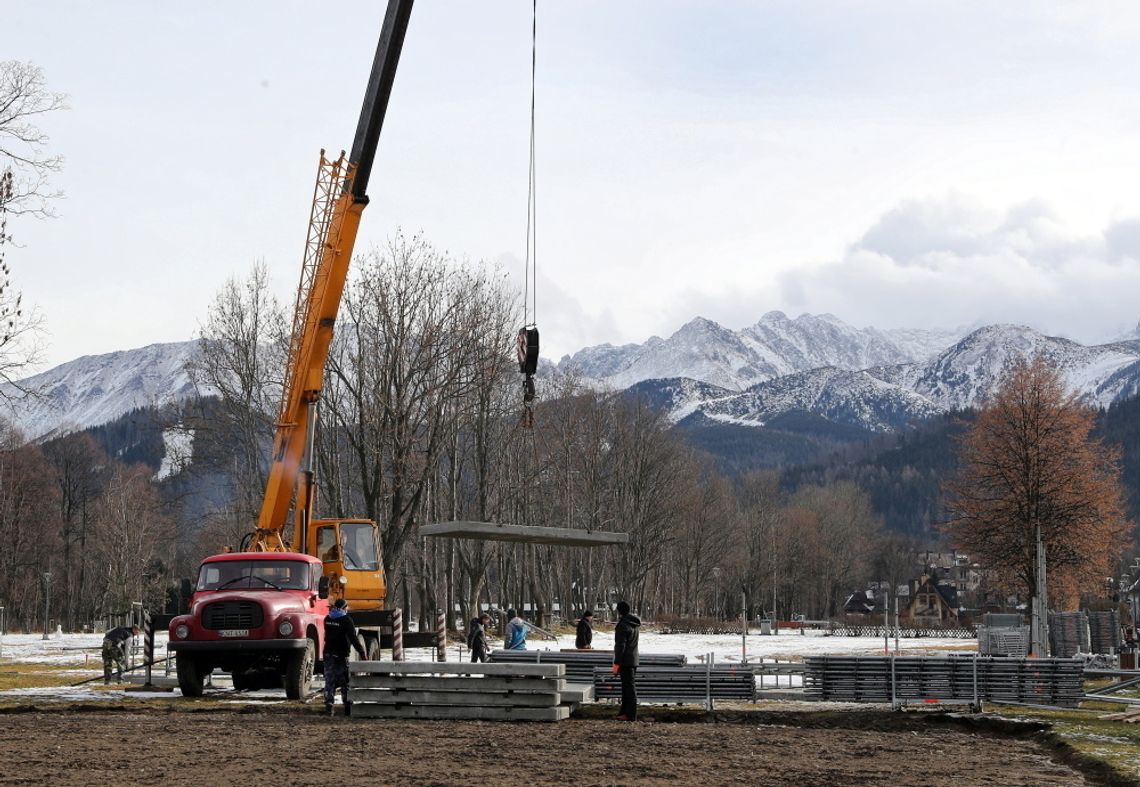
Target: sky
column 894, row 164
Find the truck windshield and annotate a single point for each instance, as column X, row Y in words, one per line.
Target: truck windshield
column 254, row 575
column 359, row 539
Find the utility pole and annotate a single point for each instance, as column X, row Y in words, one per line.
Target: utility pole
column 47, row 601
column 716, row 591
column 1040, row 602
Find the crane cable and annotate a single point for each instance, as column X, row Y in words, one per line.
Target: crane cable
column 532, row 188
column 528, row 335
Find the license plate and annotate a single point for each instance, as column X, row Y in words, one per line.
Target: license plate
column 233, row 633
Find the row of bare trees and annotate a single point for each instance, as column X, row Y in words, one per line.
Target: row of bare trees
column 84, row 535
column 420, row 422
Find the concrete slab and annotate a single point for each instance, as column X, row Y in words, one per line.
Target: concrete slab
column 491, row 531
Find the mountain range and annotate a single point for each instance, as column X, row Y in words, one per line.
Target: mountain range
column 815, row 371
column 775, row 346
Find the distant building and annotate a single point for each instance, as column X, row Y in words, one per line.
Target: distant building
column 932, row 603
column 861, row 602
column 953, row 568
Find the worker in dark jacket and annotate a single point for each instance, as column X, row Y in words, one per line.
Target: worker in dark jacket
column 115, row 650
column 340, row 638
column 626, row 659
column 477, row 638
column 585, row 631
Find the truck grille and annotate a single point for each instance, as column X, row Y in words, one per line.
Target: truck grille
column 232, row 615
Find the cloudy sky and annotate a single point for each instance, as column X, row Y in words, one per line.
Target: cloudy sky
column 896, row 164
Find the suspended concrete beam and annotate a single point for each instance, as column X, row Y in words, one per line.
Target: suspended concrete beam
column 526, row 534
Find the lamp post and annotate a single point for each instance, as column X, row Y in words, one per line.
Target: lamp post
column 47, row 601
column 1040, row 602
column 716, row 591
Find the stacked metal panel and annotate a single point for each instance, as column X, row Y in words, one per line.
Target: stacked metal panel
column 1002, row 641
column 1104, row 631
column 694, row 683
column 907, row 679
column 1068, row 634
column 1003, row 634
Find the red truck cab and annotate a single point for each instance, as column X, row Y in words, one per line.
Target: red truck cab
column 257, row 615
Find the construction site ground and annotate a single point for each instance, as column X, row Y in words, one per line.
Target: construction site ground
column 213, row 741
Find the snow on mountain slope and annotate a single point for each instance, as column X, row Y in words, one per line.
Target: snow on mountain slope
column 95, row 389
column 970, row 371
column 679, row 396
column 965, row 375
column 841, row 396
column 775, row 346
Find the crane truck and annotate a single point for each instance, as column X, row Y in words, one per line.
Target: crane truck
column 259, row 613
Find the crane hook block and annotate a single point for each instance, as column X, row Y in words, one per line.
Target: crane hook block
column 528, row 350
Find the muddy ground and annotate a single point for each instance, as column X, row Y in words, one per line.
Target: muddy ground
column 172, row 745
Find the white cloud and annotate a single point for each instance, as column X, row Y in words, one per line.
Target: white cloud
column 951, row 262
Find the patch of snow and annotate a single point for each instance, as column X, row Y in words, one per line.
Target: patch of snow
column 178, row 449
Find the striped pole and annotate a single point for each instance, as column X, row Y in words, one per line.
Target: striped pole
column 397, row 634
column 148, row 644
column 440, row 636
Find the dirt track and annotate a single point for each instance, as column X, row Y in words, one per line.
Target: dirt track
column 253, row 748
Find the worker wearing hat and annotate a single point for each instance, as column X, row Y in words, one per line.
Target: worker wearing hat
column 340, row 638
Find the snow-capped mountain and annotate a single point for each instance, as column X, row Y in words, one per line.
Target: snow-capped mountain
column 96, row 389
column 885, row 398
column 862, row 378
column 775, row 346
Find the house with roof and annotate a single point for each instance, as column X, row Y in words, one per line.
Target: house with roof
column 932, row 603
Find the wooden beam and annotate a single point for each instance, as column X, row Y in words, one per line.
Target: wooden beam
column 491, row 531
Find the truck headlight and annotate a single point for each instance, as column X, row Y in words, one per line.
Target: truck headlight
column 182, row 631
column 284, row 628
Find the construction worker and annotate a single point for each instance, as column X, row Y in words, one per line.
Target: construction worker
column 340, row 637
column 626, row 659
column 477, row 638
column 115, row 651
column 585, row 633
column 515, row 638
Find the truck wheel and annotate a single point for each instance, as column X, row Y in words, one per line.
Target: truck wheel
column 244, row 681
column 191, row 676
column 299, row 672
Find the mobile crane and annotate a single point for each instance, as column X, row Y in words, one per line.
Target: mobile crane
column 259, row 613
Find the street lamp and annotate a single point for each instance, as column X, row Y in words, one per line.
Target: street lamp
column 47, row 601
column 716, row 590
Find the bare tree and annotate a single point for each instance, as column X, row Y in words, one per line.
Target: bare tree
column 81, row 469
column 24, row 100
column 240, row 361
column 133, row 545
column 24, row 170
column 20, row 327
column 28, row 526
column 848, row 527
column 400, row 374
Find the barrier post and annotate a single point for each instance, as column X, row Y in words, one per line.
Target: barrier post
column 708, row 683
column 894, row 695
column 440, row 636
column 148, row 644
column 397, row 634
